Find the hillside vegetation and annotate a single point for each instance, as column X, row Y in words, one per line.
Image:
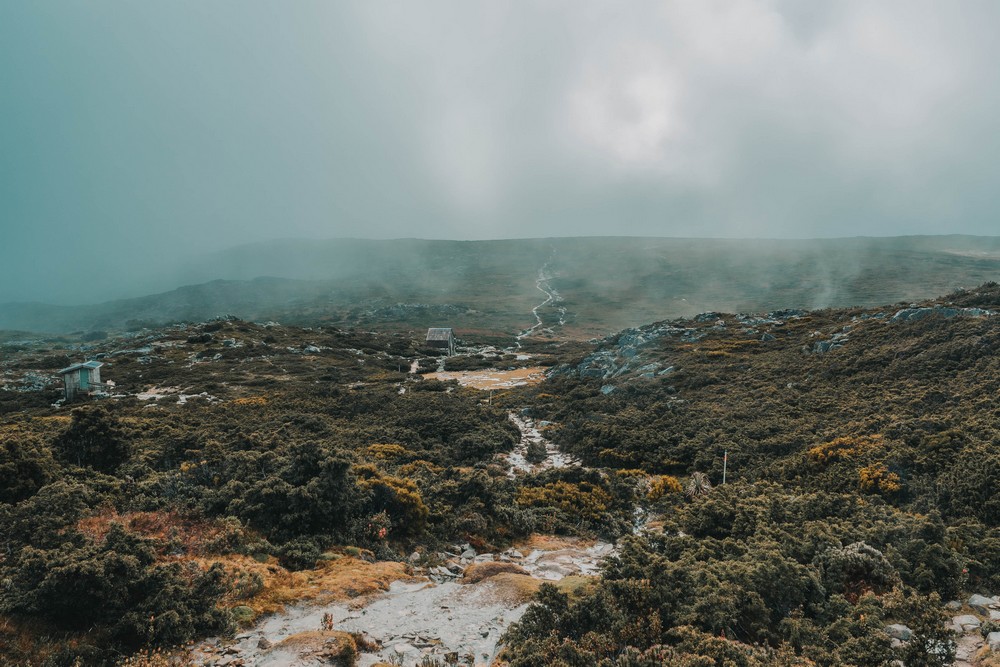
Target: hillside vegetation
column 862, row 474
column 244, row 464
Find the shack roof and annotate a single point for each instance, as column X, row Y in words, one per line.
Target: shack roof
column 439, row 334
column 85, row 364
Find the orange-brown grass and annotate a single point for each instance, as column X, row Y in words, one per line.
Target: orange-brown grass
column 345, row 578
column 250, row 401
column 480, row 571
column 19, row 639
column 194, row 535
column 157, row 658
column 333, row 646
column 844, row 447
column 554, row 542
column 514, row 588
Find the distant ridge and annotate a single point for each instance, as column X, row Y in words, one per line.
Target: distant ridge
column 603, row 283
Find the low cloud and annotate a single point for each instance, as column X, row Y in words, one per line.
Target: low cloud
column 142, row 133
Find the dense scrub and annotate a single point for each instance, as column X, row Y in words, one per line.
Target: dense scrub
column 861, row 490
column 788, row 578
column 862, row 464
column 279, row 444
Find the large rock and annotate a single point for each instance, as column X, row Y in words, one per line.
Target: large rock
column 899, row 631
column 967, row 622
column 982, row 604
column 993, row 640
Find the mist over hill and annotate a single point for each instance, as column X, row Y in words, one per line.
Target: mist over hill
column 585, row 286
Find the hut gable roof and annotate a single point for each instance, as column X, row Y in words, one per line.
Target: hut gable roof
column 439, row 334
column 76, row 367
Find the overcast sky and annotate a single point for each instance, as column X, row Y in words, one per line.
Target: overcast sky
column 136, row 133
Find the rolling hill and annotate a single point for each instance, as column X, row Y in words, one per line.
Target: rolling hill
column 589, row 286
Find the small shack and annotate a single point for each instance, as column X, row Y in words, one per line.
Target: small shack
column 443, row 339
column 82, row 378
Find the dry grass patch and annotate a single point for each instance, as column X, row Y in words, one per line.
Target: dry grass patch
column 492, row 378
column 986, row 658
column 195, row 536
column 344, row 578
column 516, row 589
column 554, row 542
column 480, row 571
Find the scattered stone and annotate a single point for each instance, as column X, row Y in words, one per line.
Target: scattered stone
column 953, row 605
column 442, row 572
column 993, row 639
column 899, row 631
column 264, row 643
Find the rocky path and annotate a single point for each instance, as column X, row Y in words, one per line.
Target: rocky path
column 530, row 434
column 967, row 626
column 976, row 611
column 446, row 611
column 967, row 648
column 449, row 610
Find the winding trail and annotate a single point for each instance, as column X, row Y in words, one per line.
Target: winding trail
column 433, row 614
column 551, row 297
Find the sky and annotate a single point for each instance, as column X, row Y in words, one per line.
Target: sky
column 134, row 135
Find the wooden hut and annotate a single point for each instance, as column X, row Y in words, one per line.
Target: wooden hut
column 82, row 378
column 441, row 338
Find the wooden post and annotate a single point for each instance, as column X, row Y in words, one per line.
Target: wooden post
column 725, row 463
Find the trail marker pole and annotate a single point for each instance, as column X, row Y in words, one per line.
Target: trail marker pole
column 725, row 463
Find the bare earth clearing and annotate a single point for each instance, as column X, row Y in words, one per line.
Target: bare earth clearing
column 493, row 379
